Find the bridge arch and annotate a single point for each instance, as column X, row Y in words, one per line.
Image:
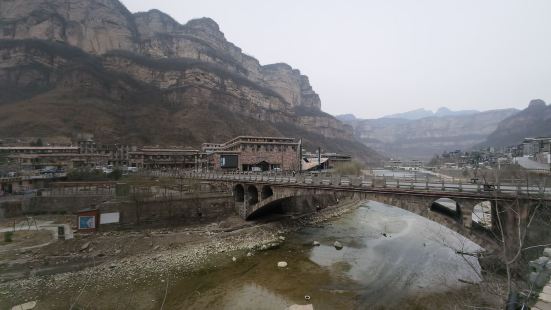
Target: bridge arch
column 252, row 195
column 483, row 216
column 266, row 192
column 447, row 207
column 239, row 193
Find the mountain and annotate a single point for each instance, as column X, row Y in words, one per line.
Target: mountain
column 534, row 121
column 92, row 67
column 423, row 138
column 413, row 114
column 422, row 113
column 443, row 111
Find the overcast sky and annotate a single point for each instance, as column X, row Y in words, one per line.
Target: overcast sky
column 378, row 57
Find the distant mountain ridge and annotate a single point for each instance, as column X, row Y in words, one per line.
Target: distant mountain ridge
column 422, row 113
column 534, row 121
column 423, row 138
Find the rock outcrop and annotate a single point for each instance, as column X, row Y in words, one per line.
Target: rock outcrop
column 115, row 60
column 534, row 121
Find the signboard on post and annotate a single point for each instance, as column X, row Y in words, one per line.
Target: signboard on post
column 87, row 220
column 109, row 218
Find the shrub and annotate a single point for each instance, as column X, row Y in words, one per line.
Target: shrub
column 349, row 168
column 93, row 175
column 8, row 235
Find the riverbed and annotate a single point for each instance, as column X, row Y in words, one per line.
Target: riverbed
column 391, row 259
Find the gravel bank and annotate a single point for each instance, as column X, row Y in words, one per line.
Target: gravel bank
column 179, row 259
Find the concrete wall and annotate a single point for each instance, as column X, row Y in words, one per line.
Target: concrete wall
column 172, row 212
column 9, row 209
column 41, row 205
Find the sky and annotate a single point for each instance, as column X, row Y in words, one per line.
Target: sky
column 377, row 57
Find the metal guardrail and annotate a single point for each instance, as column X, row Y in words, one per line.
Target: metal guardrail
column 327, row 179
column 33, row 177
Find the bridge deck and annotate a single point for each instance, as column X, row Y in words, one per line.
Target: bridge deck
column 374, row 185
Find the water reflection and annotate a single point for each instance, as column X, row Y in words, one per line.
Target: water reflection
column 389, row 255
column 391, row 259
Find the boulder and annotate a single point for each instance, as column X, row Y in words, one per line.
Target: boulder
column 547, row 252
column 338, row 245
column 85, row 246
column 538, row 279
column 282, row 264
column 26, row 306
column 315, row 243
column 301, row 307
column 539, row 264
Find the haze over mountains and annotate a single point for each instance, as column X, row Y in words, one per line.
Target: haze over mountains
column 91, row 66
column 409, row 136
column 422, row 113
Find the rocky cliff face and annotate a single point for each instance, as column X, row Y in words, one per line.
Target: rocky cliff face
column 534, row 121
column 423, row 138
column 101, row 26
column 112, row 58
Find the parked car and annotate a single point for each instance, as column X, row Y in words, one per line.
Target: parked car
column 48, row 170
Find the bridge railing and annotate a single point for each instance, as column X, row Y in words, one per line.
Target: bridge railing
column 514, row 187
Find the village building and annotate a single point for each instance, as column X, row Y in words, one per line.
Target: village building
column 165, row 158
column 249, row 153
column 323, row 161
column 117, row 154
column 29, row 158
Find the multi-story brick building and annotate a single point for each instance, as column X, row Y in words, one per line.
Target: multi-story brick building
column 117, row 154
column 169, row 158
column 248, row 153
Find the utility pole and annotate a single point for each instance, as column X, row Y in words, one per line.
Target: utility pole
column 300, row 155
column 319, row 158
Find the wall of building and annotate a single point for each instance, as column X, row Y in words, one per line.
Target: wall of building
column 287, row 158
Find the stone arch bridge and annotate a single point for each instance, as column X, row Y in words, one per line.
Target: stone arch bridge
column 256, row 196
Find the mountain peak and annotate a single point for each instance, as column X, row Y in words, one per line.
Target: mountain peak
column 536, row 103
column 205, row 23
column 443, row 110
column 346, row 117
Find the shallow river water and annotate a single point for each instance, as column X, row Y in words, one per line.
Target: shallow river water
column 391, row 259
